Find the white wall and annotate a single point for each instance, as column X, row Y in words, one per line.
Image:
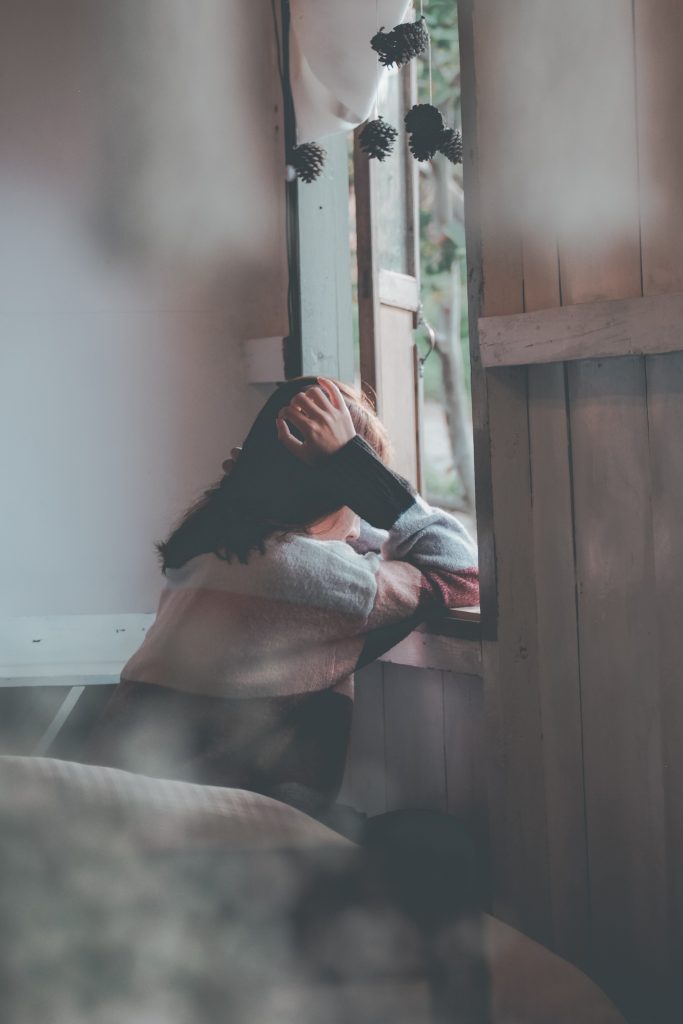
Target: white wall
column 142, row 212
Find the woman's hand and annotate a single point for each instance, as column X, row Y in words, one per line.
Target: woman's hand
column 320, row 414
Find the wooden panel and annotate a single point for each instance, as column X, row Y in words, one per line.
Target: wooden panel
column 614, row 549
column 659, row 29
column 463, row 712
column 414, row 724
column 396, row 402
column 621, row 327
column 490, row 68
column 325, row 268
column 364, row 785
column 423, row 649
column 558, row 668
column 665, row 421
column 619, row 666
column 511, row 674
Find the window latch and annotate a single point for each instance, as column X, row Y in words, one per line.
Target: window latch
column 431, row 333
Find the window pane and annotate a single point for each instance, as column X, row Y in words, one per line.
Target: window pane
column 391, row 183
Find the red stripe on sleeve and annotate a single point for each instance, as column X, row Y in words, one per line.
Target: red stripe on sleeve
column 450, row 589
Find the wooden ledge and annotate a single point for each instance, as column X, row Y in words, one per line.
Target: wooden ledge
column 589, row 330
column 450, row 643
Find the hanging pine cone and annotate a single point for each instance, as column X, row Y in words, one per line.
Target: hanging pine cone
column 427, row 128
column 451, row 145
column 308, row 160
column 421, row 149
column 410, row 40
column 402, row 43
column 425, row 119
column 383, row 44
column 377, row 138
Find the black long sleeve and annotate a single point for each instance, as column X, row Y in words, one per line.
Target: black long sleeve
column 357, row 477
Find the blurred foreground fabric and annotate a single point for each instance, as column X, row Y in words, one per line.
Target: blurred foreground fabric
column 130, row 899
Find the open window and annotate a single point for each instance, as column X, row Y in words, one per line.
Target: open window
column 408, row 240
column 412, row 349
column 378, row 255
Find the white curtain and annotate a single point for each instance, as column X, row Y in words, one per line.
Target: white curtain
column 334, row 70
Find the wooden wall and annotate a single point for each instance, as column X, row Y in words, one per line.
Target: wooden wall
column 573, row 171
column 417, row 741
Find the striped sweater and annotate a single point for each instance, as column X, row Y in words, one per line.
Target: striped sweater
column 246, row 677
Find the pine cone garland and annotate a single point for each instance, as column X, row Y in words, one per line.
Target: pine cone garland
column 451, row 145
column 402, row 43
column 308, row 161
column 377, row 138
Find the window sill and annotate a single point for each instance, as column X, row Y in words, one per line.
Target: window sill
column 449, row 643
column 464, row 623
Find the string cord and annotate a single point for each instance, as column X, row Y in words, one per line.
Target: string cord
column 379, row 70
column 429, row 56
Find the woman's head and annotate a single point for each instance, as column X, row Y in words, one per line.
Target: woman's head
column 269, row 490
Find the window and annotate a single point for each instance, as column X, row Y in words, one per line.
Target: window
column 407, row 234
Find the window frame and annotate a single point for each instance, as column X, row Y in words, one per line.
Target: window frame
column 320, row 286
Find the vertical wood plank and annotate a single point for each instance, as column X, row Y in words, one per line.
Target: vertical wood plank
column 397, row 405
column 463, row 712
column 490, row 68
column 415, row 761
column 665, row 417
column 325, row 268
column 619, row 667
column 364, row 785
column 511, row 674
column 659, row 76
column 614, row 548
column 600, row 242
column 558, row 661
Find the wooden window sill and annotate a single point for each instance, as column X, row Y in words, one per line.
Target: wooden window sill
column 450, row 643
column 464, row 623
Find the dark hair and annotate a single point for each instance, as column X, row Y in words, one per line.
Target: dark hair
column 268, row 490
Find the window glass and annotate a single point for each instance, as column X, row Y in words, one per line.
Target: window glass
column 391, row 181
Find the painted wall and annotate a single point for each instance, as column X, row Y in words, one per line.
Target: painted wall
column 142, row 204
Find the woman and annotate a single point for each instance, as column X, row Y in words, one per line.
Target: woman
column 305, row 562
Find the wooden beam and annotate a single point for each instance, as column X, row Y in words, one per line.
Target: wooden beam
column 587, row 330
